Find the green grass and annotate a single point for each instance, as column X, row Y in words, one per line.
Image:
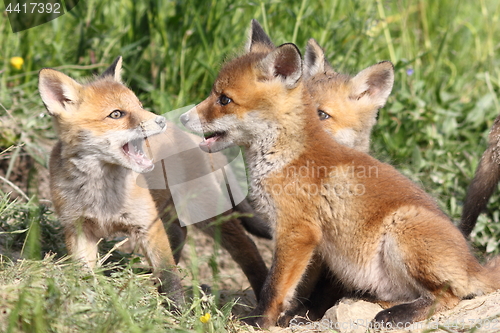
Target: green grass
column 60, row 296
column 55, row 294
column 433, row 128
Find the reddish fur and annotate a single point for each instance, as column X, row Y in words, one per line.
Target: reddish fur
column 331, row 92
column 423, row 247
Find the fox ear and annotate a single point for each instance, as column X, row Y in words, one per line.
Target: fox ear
column 57, row 90
column 258, row 38
column 314, row 59
column 374, row 83
column 114, row 70
column 284, row 62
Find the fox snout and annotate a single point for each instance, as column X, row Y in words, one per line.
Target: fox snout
column 154, row 126
column 184, row 118
column 161, row 121
column 191, row 120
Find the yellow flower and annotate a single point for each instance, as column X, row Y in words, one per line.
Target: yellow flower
column 205, row 319
column 16, row 62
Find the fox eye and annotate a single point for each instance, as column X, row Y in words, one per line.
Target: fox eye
column 323, row 115
column 224, row 100
column 116, row 114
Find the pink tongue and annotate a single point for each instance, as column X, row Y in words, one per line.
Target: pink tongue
column 207, row 143
column 137, row 156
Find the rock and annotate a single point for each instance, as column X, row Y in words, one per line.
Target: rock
column 351, row 316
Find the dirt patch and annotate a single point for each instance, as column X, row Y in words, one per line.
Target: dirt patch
column 215, row 267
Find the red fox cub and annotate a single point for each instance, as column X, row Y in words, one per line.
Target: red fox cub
column 484, row 183
column 349, row 121
column 102, row 129
column 377, row 231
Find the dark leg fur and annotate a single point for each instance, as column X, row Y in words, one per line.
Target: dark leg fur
column 405, row 313
column 177, row 236
column 242, row 249
column 327, row 292
column 232, row 237
column 156, row 247
column 254, row 225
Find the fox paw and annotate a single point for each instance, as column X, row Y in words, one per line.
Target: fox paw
column 400, row 315
column 392, row 318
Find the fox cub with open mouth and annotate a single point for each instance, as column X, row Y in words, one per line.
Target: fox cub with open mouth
column 349, row 121
column 102, row 129
column 376, row 230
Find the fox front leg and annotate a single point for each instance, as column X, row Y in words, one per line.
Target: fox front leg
column 81, row 242
column 156, row 247
column 295, row 245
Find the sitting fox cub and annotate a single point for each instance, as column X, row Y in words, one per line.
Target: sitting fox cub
column 376, row 230
column 349, row 121
column 102, row 129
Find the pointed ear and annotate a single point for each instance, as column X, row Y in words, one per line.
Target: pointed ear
column 57, row 90
column 374, row 83
column 286, row 63
column 114, row 70
column 258, row 38
column 314, row 59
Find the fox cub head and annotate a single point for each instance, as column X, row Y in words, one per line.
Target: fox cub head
column 101, row 119
column 347, row 106
column 254, row 82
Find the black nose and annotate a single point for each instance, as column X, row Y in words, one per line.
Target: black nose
column 161, row 121
column 184, row 118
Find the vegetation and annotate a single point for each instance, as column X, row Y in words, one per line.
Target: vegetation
column 433, row 128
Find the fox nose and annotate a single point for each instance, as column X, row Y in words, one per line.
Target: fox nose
column 161, row 121
column 184, row 118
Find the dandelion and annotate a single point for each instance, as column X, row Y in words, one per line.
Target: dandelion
column 16, row 62
column 205, row 318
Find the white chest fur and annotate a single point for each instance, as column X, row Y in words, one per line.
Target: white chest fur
column 100, row 192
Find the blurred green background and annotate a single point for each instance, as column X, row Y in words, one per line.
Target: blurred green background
column 433, row 128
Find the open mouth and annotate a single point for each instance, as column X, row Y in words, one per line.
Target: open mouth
column 134, row 150
column 210, row 138
column 213, row 136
